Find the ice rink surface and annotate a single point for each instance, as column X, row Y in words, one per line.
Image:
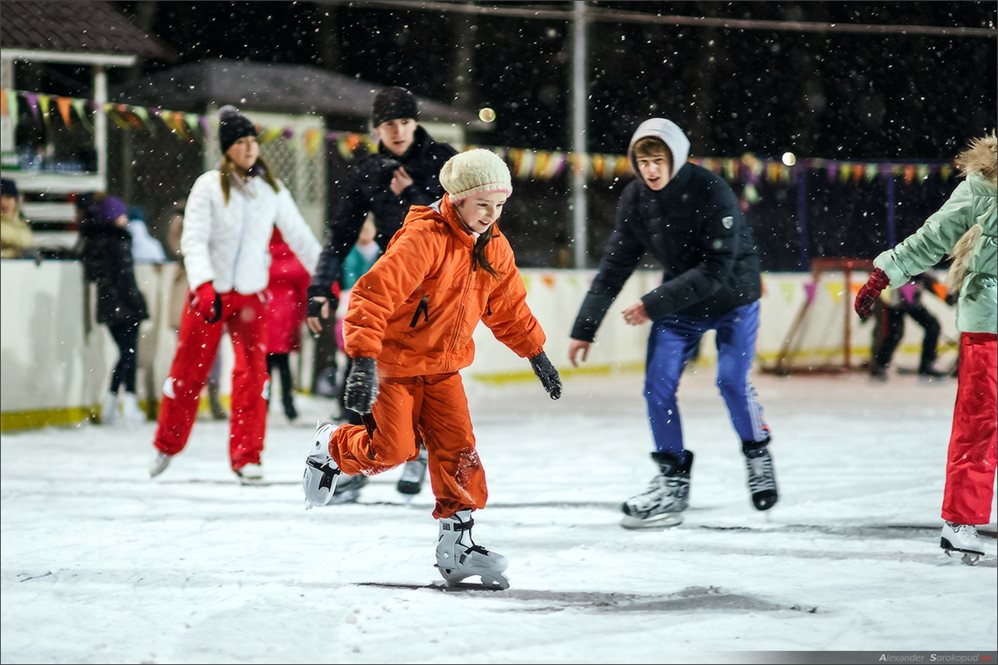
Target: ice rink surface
column 100, row 564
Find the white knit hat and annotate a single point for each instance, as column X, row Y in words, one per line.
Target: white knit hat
column 474, row 172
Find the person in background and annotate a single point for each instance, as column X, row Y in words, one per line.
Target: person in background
column 107, row 262
column 402, row 173
column 965, row 228
column 688, row 219
column 16, row 239
column 228, row 223
column 903, row 301
column 360, row 259
column 145, row 248
column 409, row 331
column 285, row 315
column 179, row 292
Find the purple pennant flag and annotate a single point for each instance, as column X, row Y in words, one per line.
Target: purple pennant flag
column 288, row 132
column 32, row 100
column 809, row 290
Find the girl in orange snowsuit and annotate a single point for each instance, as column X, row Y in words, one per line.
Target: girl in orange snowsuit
column 409, row 331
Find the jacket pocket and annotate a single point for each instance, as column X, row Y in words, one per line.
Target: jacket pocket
column 424, row 309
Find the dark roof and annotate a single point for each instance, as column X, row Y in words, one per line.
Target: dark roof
column 274, row 87
column 75, row 27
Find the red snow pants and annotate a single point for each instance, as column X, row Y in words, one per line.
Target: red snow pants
column 245, row 317
column 433, row 408
column 970, row 464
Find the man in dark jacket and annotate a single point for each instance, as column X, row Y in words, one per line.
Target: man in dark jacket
column 689, row 220
column 403, row 172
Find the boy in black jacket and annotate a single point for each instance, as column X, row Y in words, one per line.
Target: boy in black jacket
column 403, row 172
column 689, row 220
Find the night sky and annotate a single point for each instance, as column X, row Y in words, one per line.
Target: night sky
column 846, row 96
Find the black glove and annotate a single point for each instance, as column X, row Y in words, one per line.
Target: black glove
column 361, row 386
column 548, row 375
column 315, row 306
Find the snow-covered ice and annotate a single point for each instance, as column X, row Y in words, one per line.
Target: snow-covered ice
column 100, row 564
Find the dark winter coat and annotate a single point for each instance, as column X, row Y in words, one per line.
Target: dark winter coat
column 369, row 191
column 107, row 262
column 695, row 229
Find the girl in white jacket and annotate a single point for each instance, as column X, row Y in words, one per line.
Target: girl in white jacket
column 230, row 216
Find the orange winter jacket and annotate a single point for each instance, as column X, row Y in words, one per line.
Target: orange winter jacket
column 417, row 307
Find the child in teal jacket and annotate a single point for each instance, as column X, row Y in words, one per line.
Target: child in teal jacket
column 964, row 228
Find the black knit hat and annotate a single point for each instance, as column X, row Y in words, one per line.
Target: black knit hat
column 392, row 103
column 232, row 126
column 8, row 187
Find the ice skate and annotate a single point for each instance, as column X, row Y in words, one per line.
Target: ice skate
column 761, row 475
column 348, row 488
column 458, row 559
column 159, row 464
column 131, row 413
column 962, row 538
column 250, row 474
column 321, row 470
column 413, row 474
column 662, row 504
column 109, row 409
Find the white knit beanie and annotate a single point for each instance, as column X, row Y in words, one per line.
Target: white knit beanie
column 474, row 172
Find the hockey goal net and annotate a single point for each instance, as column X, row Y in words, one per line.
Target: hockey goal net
column 820, row 339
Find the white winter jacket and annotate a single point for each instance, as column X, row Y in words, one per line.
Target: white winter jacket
column 229, row 244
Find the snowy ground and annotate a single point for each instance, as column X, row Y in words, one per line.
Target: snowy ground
column 99, row 564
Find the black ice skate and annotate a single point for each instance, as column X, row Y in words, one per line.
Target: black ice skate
column 457, row 560
column 413, row 474
column 761, row 476
column 962, row 538
column 662, row 504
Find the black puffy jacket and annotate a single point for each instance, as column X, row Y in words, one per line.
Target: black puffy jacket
column 107, row 262
column 695, row 229
column 369, row 191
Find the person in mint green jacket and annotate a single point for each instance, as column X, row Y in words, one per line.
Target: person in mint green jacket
column 964, row 228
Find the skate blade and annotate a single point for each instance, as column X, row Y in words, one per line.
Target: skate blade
column 663, row 521
column 969, row 557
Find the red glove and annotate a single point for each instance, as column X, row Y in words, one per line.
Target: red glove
column 207, row 303
column 870, row 291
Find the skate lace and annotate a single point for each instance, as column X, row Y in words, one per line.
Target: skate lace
column 659, row 490
column 761, row 476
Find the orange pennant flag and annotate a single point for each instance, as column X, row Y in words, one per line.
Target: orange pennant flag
column 63, row 103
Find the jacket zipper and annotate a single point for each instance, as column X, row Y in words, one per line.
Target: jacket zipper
column 464, row 299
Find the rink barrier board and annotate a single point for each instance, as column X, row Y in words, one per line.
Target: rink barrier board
column 56, row 359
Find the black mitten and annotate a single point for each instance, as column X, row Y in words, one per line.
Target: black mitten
column 547, row 373
column 361, row 386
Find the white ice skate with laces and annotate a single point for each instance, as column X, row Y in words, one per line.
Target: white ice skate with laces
column 962, row 538
column 665, row 499
column 321, row 470
column 458, row 560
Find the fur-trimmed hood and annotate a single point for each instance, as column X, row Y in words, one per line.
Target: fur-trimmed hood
column 980, row 157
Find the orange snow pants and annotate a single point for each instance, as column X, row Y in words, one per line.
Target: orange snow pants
column 433, row 409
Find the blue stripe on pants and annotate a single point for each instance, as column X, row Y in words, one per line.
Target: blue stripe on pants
column 670, row 345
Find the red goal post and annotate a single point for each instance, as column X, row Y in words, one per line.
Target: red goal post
column 820, row 339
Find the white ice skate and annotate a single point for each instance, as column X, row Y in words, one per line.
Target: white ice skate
column 250, row 474
column 159, row 464
column 661, row 505
column 413, row 473
column 962, row 538
column 109, row 409
column 133, row 415
column 457, row 560
column 321, row 470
